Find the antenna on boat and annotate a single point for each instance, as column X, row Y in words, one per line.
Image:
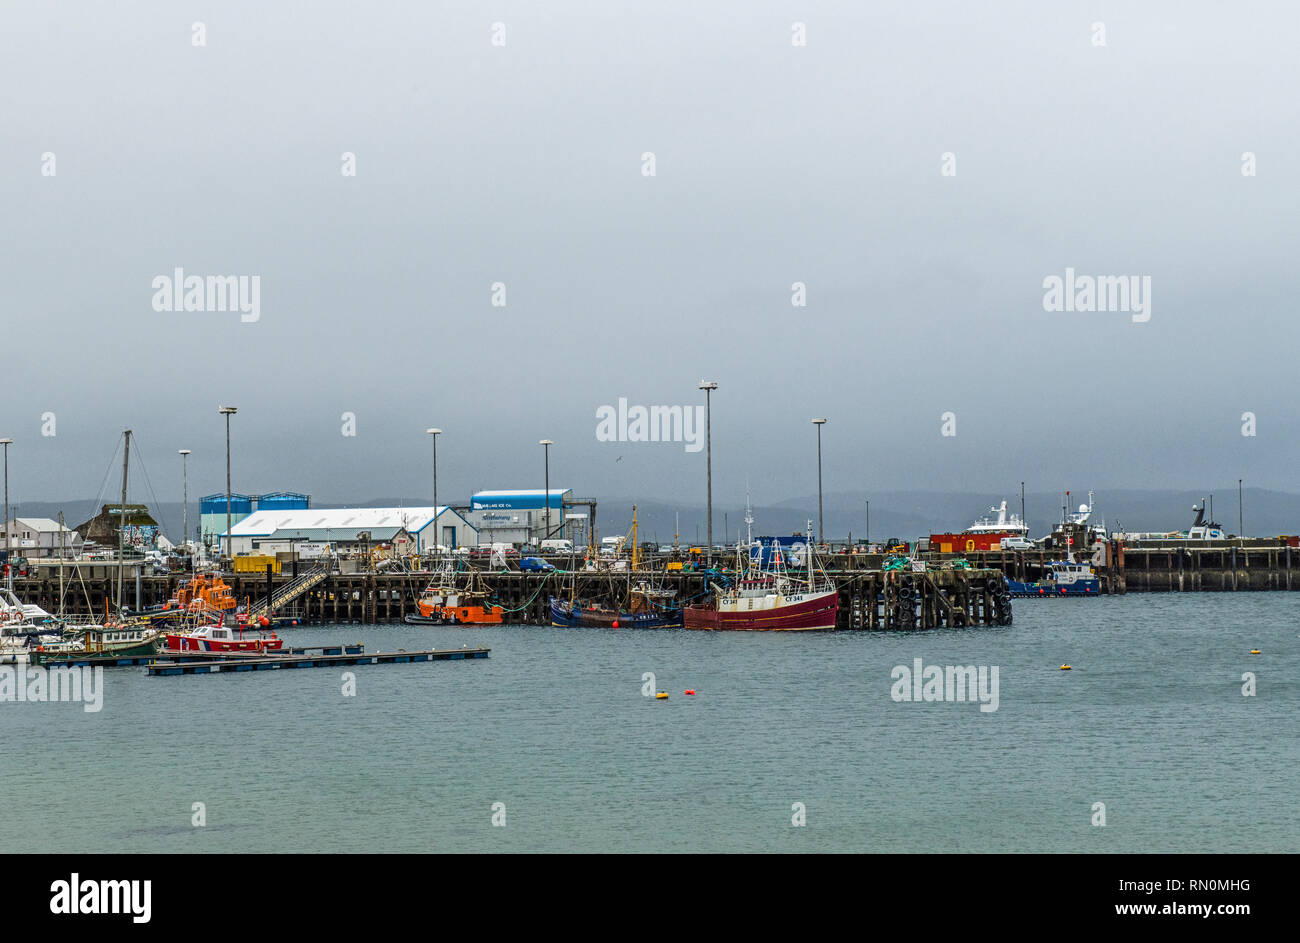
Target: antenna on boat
column 749, row 516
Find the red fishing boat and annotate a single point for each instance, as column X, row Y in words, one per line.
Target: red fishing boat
column 770, row 600
column 219, row 638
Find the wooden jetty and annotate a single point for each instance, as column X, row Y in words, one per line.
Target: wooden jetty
column 275, row 661
column 870, row 597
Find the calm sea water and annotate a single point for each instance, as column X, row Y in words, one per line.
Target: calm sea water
column 1151, row 721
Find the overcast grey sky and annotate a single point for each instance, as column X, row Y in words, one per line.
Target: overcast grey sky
column 774, row 164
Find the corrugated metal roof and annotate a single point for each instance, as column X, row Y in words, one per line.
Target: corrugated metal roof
column 340, row 521
column 42, row 524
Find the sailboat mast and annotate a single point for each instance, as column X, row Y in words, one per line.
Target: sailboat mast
column 121, row 520
column 60, row 564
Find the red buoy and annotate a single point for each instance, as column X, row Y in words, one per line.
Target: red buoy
column 690, row 690
column 616, row 623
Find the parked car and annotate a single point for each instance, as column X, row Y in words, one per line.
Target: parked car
column 534, row 565
column 1016, row 543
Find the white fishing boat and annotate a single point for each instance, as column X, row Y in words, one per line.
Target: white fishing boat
column 23, row 626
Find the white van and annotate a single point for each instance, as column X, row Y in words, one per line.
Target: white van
column 557, row 546
column 1015, row 543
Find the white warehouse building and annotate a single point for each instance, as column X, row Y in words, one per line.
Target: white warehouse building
column 283, row 530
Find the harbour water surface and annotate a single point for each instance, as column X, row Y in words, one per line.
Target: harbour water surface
column 1151, row 721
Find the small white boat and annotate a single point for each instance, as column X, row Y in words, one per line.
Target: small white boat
column 23, row 626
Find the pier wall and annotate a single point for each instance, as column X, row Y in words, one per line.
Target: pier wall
column 869, row 599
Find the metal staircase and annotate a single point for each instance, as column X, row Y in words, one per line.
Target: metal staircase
column 291, row 591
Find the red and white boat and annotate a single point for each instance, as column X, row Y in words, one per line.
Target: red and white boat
column 219, row 638
column 770, row 600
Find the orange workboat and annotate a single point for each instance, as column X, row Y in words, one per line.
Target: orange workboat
column 204, row 594
column 472, row 605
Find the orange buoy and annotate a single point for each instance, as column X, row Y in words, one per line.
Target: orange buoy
column 1254, row 651
column 264, row 621
column 690, row 691
column 1066, row 668
column 616, row 623
column 661, row 696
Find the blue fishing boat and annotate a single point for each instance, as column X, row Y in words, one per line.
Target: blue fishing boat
column 646, row 609
column 1062, row 578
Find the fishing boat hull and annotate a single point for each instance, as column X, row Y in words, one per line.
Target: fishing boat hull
column 148, row 647
column 195, row 643
column 565, row 615
column 1051, row 590
column 798, row 612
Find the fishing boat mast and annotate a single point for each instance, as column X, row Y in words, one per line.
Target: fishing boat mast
column 810, row 556
column 121, row 520
column 636, row 556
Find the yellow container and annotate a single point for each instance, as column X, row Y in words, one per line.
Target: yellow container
column 256, row 564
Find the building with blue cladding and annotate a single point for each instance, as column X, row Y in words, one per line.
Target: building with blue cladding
column 212, row 510
column 517, row 517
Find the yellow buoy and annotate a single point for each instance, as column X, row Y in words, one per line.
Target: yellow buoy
column 1254, row 651
column 1066, row 668
column 661, row 696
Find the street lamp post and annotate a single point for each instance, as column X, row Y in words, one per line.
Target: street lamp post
column 821, row 529
column 433, row 434
column 185, row 498
column 1241, row 527
column 9, row 561
column 546, row 529
column 228, row 411
column 708, row 386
